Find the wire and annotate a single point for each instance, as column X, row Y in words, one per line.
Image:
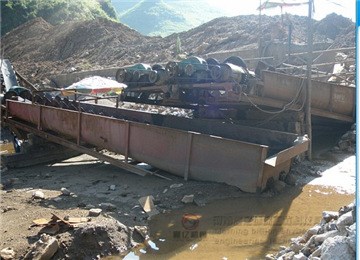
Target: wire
column 333, row 2
column 286, row 106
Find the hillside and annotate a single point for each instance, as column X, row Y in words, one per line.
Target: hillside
column 164, row 17
column 17, row 12
column 151, row 17
column 39, row 49
column 123, row 6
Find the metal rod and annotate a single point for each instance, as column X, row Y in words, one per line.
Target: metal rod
column 117, row 101
column 260, row 58
column 7, row 109
column 46, row 90
column 309, row 86
column 94, row 98
column 349, row 61
column 26, row 81
column 325, row 51
column 260, row 41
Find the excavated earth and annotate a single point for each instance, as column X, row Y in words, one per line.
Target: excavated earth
column 39, row 49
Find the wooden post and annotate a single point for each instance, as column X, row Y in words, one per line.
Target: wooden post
column 308, row 73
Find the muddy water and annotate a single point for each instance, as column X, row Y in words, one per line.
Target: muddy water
column 241, row 228
column 7, row 148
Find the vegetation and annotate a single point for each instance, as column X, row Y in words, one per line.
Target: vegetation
column 17, row 12
column 152, row 17
column 164, row 17
column 149, row 17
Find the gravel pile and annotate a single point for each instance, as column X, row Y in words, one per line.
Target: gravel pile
column 333, row 238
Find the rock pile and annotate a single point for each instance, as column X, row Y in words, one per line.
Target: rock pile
column 347, row 142
column 333, row 238
column 112, row 238
column 101, row 43
column 44, row 248
column 87, row 240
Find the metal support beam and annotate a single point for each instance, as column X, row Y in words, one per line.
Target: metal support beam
column 26, row 82
column 309, row 86
column 127, row 141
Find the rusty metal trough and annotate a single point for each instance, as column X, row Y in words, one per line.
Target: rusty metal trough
column 207, row 150
column 328, row 100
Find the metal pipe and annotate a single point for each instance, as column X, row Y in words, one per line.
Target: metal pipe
column 25, row 81
column 309, row 86
column 325, row 51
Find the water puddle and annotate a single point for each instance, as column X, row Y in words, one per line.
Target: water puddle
column 241, row 228
column 7, row 148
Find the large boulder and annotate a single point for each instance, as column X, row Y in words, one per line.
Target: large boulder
column 336, row 248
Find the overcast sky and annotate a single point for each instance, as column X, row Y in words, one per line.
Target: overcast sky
column 322, row 7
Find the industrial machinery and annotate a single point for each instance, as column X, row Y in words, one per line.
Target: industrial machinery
column 190, row 82
column 246, row 157
column 220, row 87
column 213, row 150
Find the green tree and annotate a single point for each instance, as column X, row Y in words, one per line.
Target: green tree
column 108, row 8
column 17, row 12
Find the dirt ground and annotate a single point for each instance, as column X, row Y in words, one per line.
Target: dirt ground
column 89, row 182
column 92, row 183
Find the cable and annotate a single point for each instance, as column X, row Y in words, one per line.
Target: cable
column 286, row 106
